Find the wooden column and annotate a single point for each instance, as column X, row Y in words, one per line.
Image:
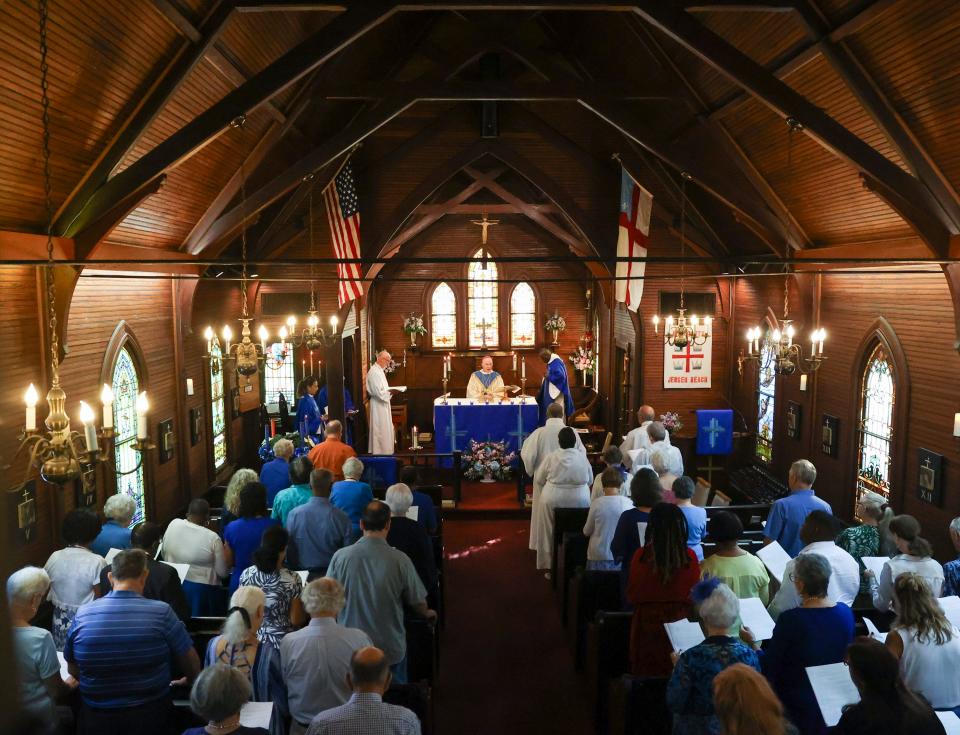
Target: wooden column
column 333, row 355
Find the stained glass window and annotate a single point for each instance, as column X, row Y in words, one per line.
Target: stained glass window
column 278, row 373
column 443, row 316
column 877, row 398
column 218, row 422
column 483, row 324
column 523, row 316
column 766, row 390
column 125, row 384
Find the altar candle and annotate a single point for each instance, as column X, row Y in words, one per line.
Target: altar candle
column 142, row 407
column 514, row 362
column 523, row 368
column 803, row 382
column 89, row 430
column 30, row 398
column 416, row 438
column 303, row 367
column 106, row 400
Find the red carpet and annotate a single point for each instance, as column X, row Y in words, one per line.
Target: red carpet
column 505, row 666
column 488, row 496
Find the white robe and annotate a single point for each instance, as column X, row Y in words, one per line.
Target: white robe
column 563, row 480
column 475, row 389
column 382, row 437
column 637, row 439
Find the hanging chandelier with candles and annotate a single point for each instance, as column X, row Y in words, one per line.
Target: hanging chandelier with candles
column 683, row 330
column 59, row 451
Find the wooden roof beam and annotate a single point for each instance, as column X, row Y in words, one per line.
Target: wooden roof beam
column 901, row 191
column 89, row 240
column 767, row 6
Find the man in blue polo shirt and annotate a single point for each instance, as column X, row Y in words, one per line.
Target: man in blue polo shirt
column 788, row 514
column 119, row 649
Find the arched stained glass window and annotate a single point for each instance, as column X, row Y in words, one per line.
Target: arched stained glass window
column 523, row 316
column 218, row 422
column 443, row 317
column 482, row 323
column 875, row 428
column 766, row 396
column 125, row 383
column 278, row 374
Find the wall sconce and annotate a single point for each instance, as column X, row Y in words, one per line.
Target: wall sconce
column 956, row 425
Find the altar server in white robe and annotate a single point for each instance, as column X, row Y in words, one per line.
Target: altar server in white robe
column 639, row 438
column 564, row 481
column 536, row 448
column 486, row 383
column 382, row 437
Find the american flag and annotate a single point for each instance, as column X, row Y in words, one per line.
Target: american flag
column 343, row 213
column 636, row 204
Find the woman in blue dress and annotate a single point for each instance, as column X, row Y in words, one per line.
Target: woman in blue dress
column 308, row 414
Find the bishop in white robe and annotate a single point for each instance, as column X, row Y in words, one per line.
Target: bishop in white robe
column 382, row 436
column 486, row 383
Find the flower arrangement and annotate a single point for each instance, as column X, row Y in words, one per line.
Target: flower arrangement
column 583, row 359
column 671, row 421
column 266, row 446
column 555, row 323
column 413, row 324
column 391, row 366
column 488, row 459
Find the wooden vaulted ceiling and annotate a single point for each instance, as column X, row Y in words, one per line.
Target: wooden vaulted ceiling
column 143, row 93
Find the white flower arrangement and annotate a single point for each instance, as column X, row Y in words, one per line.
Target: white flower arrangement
column 413, row 324
column 555, row 323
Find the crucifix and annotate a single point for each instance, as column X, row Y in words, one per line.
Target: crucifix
column 484, row 224
column 483, row 332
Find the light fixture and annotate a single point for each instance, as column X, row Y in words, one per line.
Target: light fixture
column 683, row 330
column 59, row 452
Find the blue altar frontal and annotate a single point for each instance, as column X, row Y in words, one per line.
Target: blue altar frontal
column 462, row 419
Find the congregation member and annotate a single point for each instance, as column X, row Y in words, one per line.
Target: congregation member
column 746, row 704
column 163, row 582
column 951, row 570
column 275, row 474
column 563, row 481
column 309, row 422
column 486, row 384
column 886, row 706
column 315, row 660
column 217, row 696
column 283, row 610
column 690, row 690
column 630, row 533
column 365, row 711
column 298, row 493
column 662, row 574
column 915, row 556
column 667, row 462
column 611, row 458
column 74, row 571
column 231, row 498
column 863, row 539
column 239, row 647
column 787, row 514
column 383, row 437
column 602, row 519
column 555, row 387
column 657, row 438
column 737, row 568
column 409, row 536
column 814, row 634
column 120, row 649
column 115, row 532
column 426, row 511
column 638, row 438
column 380, row 581
column 242, row 536
column 683, row 490
column 40, row 686
column 190, row 541
column 351, row 495
column 926, row 644
column 317, row 528
column 817, row 533
column 332, row 452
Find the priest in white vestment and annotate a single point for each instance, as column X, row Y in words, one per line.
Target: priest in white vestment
column 382, row 436
column 536, row 448
column 563, row 480
column 486, row 384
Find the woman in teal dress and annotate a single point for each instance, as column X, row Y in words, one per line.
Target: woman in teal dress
column 865, row 539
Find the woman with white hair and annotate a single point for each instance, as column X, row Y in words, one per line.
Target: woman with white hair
column 690, row 690
column 217, row 696
column 667, row 462
column 237, row 645
column 350, row 495
column 231, row 498
column 865, row 539
column 115, row 532
column 409, row 536
column 35, row 655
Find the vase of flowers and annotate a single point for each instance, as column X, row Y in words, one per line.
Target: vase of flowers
column 555, row 324
column 488, row 461
column 413, row 326
column 671, row 422
column 583, row 359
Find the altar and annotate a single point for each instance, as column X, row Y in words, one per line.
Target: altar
column 459, row 420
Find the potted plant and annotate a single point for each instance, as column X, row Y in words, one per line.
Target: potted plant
column 555, row 324
column 413, row 325
column 488, row 461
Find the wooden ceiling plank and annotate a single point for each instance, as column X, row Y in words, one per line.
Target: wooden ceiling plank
column 89, row 239
column 890, row 181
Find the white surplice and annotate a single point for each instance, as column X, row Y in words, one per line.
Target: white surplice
column 638, row 439
column 563, row 480
column 382, row 437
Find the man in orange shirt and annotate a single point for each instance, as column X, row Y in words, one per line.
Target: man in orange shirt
column 331, row 453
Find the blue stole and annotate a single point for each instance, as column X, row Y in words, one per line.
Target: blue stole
column 486, row 378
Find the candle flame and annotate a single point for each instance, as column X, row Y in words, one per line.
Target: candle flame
column 143, row 405
column 31, row 397
column 86, row 413
column 106, row 395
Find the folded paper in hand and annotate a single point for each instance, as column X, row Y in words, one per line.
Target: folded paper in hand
column 834, row 690
column 875, row 564
column 755, row 616
column 775, row 558
column 684, row 635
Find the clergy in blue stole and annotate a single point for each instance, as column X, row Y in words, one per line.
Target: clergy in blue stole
column 322, row 403
column 486, row 383
column 308, row 413
column 555, row 387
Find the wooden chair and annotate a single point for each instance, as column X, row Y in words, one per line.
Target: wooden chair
column 584, row 401
column 564, row 519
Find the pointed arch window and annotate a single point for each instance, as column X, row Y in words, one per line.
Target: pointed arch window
column 523, row 316
column 875, row 426
column 443, row 317
column 278, row 374
column 218, row 421
column 766, row 402
column 482, row 322
column 125, row 383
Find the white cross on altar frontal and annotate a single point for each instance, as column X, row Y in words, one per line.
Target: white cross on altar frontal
column 714, row 428
column 688, row 366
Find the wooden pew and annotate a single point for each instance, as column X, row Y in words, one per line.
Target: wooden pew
column 638, row 707
column 572, row 558
column 607, row 658
column 564, row 520
column 421, row 650
column 591, row 591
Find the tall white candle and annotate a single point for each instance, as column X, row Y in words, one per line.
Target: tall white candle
column 30, row 398
column 416, row 438
column 523, row 368
column 803, row 382
column 106, row 400
column 956, row 424
column 143, row 405
column 87, row 418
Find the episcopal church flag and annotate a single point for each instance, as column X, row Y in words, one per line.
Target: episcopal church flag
column 343, row 213
column 715, row 431
column 636, row 203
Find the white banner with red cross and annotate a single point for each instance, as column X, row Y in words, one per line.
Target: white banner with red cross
column 688, row 366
